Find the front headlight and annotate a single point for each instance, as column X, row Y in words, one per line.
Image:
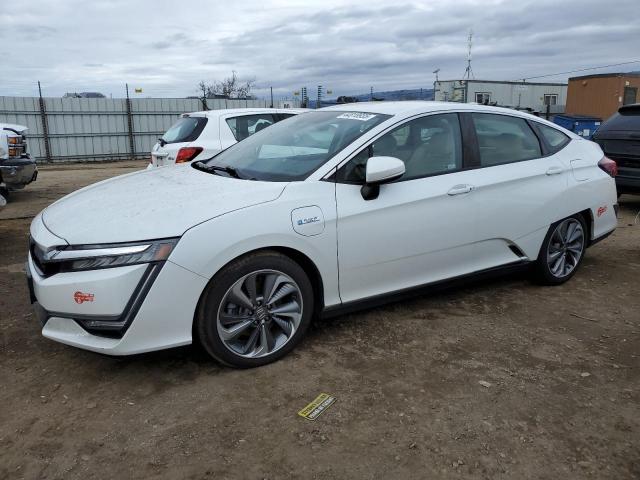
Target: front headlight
column 92, row 257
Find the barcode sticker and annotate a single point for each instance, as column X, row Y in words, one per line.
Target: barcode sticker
column 358, row 116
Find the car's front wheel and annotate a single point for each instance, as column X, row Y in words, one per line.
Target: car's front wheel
column 562, row 250
column 255, row 310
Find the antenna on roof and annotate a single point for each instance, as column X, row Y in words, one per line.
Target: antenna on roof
column 436, row 72
column 468, row 73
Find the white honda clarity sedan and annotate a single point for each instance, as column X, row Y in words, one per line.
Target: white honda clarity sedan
column 336, row 209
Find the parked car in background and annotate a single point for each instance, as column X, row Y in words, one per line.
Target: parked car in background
column 619, row 138
column 17, row 167
column 200, row 135
column 335, row 209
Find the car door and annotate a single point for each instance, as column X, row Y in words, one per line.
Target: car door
column 420, row 228
column 517, row 188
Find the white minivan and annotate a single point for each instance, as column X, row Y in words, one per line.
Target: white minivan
column 200, row 135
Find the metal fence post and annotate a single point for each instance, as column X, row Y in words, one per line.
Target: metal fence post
column 132, row 146
column 45, row 125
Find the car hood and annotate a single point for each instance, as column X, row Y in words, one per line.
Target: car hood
column 159, row 203
column 13, row 127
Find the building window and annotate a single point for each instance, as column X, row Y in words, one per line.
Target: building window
column 483, row 98
column 550, row 98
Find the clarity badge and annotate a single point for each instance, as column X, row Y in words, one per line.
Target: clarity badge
column 304, row 221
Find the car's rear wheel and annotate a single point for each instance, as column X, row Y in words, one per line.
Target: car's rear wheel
column 256, row 310
column 562, row 250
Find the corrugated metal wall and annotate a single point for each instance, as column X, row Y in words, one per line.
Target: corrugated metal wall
column 94, row 129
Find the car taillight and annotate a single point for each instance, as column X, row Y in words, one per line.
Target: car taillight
column 187, row 154
column 609, row 166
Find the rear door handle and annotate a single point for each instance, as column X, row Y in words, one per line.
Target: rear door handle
column 460, row 189
column 555, row 170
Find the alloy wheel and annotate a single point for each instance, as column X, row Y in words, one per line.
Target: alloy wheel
column 260, row 313
column 566, row 247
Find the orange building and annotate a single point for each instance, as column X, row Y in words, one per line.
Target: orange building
column 601, row 95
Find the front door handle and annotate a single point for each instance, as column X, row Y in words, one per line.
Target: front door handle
column 555, row 170
column 460, row 189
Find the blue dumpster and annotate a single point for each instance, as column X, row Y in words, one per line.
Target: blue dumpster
column 580, row 124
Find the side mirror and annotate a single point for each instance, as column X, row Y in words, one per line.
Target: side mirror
column 380, row 170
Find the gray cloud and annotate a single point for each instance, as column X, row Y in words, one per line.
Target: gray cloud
column 87, row 46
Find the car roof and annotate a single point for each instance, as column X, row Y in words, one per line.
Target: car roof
column 417, row 106
column 245, row 111
column 408, row 108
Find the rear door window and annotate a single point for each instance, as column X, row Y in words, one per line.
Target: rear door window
column 504, row 139
column 555, row 138
column 246, row 125
column 187, row 129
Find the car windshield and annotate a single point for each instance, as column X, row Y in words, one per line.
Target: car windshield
column 294, row 148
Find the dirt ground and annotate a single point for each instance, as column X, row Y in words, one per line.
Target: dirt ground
column 559, row 398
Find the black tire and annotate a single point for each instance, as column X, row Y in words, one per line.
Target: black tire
column 4, row 190
column 542, row 270
column 206, row 322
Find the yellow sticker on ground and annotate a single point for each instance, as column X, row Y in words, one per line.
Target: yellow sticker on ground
column 319, row 405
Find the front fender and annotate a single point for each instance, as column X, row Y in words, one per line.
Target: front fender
column 208, row 247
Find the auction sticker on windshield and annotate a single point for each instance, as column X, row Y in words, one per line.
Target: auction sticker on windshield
column 357, row 116
column 319, row 405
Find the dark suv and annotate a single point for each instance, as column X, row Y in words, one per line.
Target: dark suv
column 619, row 138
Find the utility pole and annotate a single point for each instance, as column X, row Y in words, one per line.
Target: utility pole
column 468, row 73
column 271, row 88
column 45, row 125
column 132, row 146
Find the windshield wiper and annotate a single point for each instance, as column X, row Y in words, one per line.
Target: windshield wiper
column 232, row 172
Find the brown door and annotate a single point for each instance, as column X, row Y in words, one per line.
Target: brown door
column 630, row 94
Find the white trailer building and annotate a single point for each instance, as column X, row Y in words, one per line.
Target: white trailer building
column 521, row 95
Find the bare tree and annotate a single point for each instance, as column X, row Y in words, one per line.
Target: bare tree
column 230, row 87
column 205, row 92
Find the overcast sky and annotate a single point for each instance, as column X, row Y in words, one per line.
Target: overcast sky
column 166, row 47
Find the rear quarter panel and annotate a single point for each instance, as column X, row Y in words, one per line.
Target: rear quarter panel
column 590, row 187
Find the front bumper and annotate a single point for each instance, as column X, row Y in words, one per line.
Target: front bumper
column 16, row 173
column 133, row 309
